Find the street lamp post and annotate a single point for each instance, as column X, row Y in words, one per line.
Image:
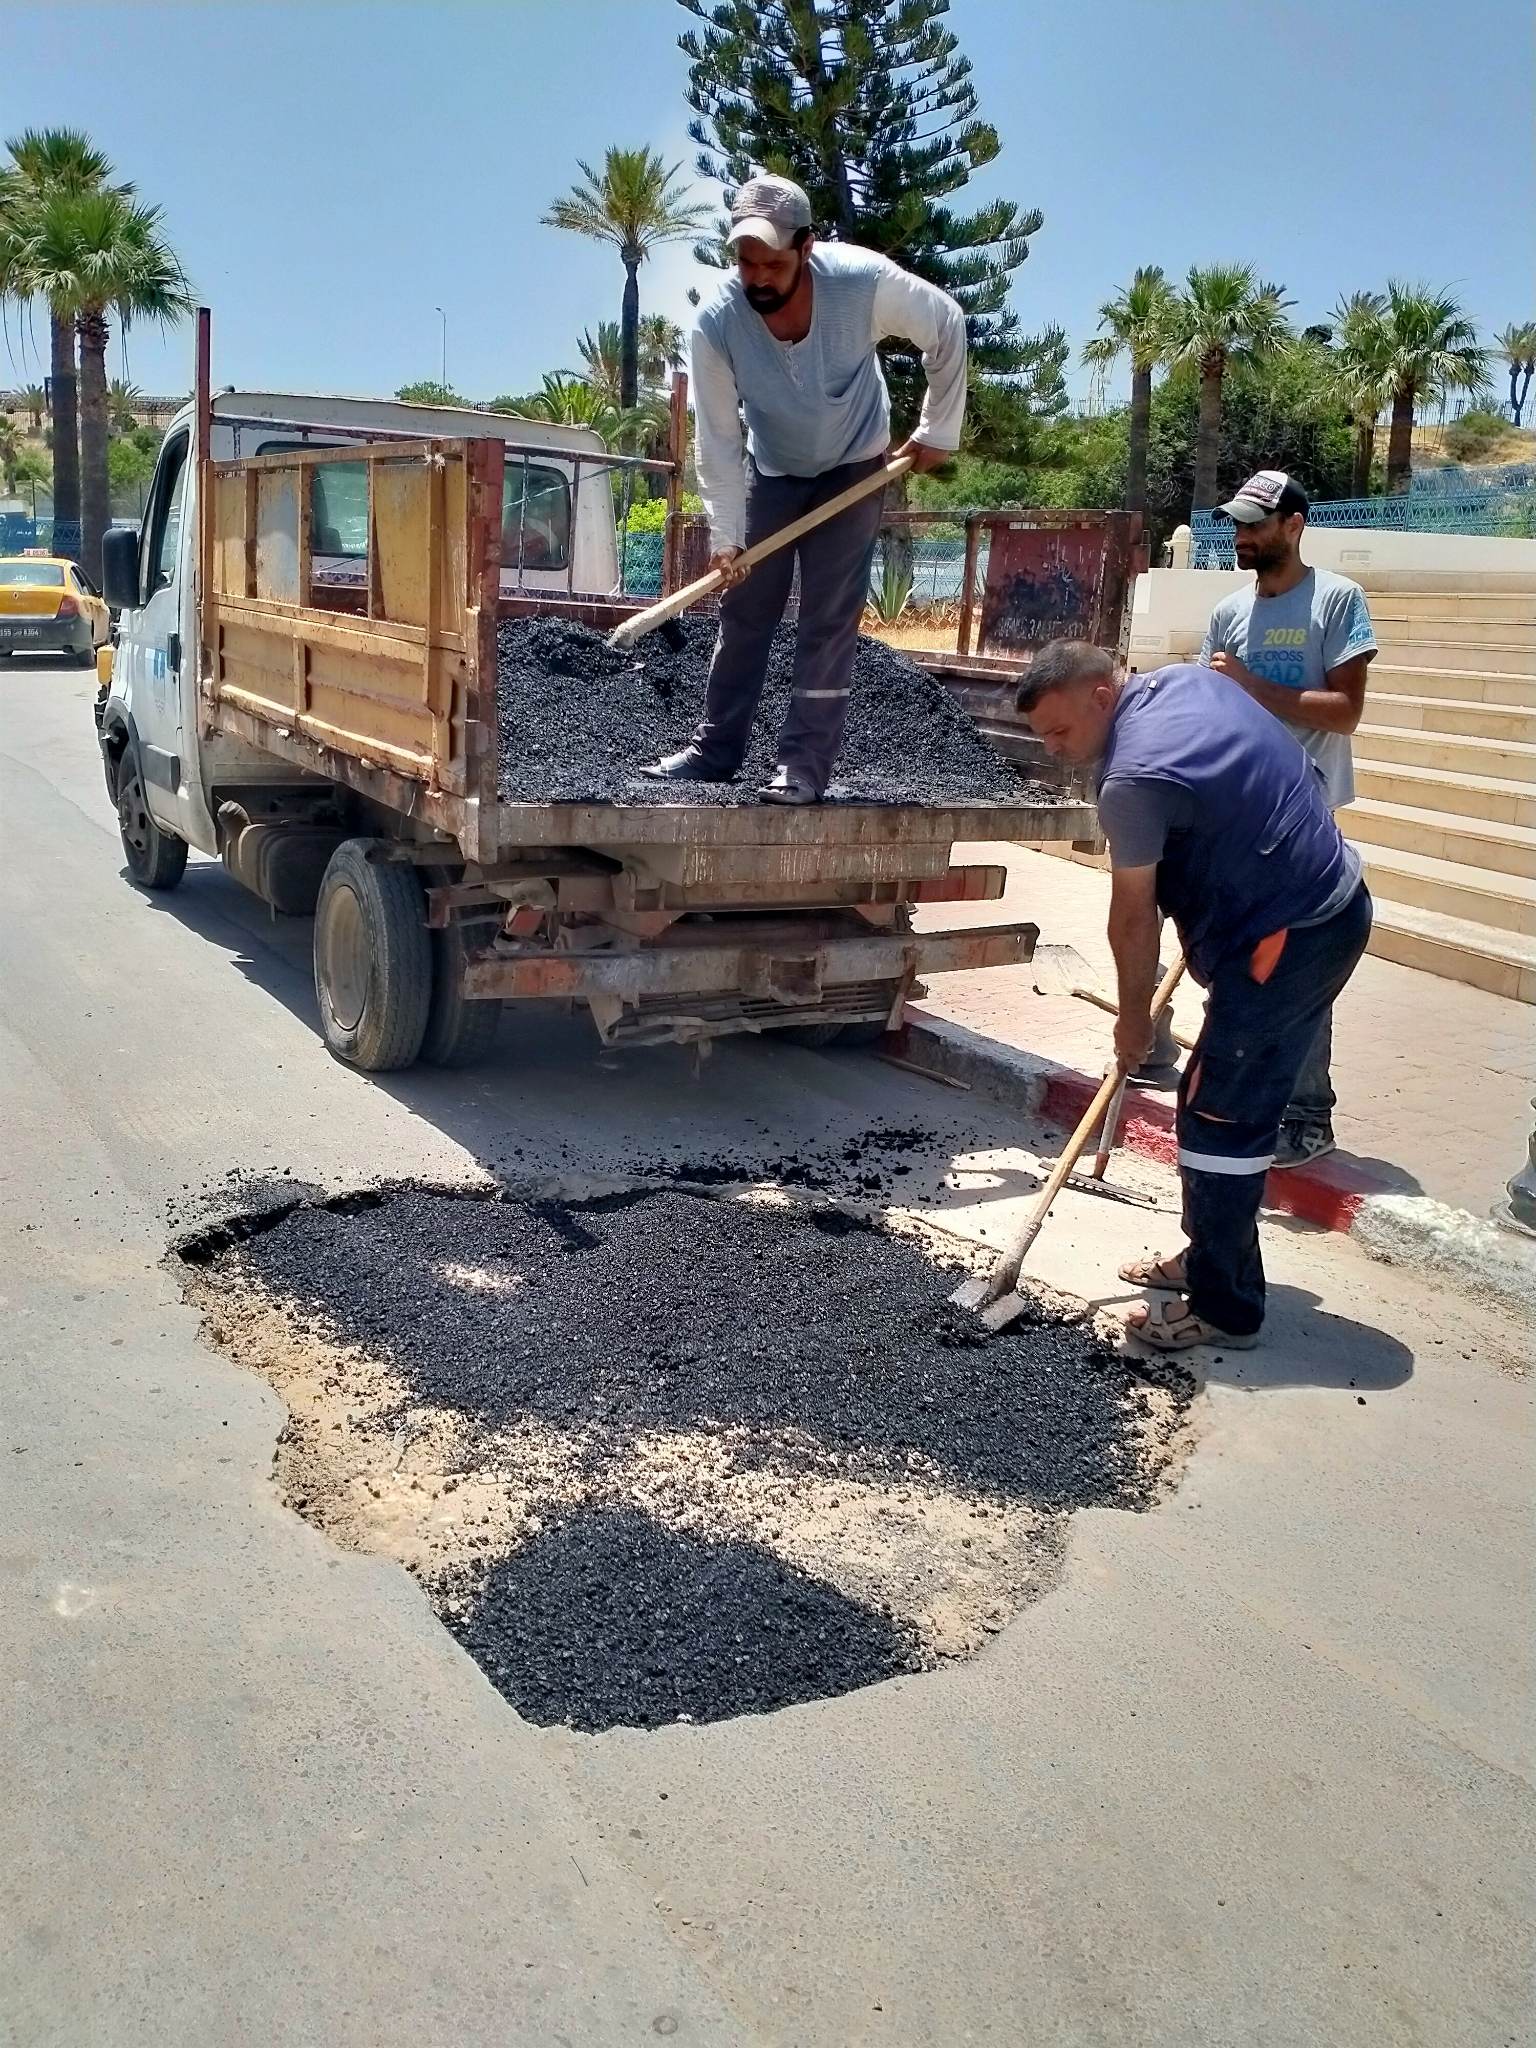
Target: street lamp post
column 444, row 374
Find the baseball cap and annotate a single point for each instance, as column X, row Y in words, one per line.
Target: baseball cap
column 770, row 210
column 1266, row 492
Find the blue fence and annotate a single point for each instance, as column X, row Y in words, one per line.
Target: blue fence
column 1506, row 509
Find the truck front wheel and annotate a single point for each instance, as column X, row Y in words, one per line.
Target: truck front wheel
column 156, row 859
column 373, row 959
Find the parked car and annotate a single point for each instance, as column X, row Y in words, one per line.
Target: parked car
column 48, row 605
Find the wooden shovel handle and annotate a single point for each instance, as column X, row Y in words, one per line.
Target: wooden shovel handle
column 1005, row 1274
column 655, row 615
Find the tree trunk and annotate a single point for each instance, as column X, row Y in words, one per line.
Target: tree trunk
column 1141, row 424
column 95, row 493
column 1208, row 434
column 1517, row 403
column 629, row 338
column 1400, row 442
column 66, row 429
column 1365, row 455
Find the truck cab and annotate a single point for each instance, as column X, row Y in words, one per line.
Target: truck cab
column 558, row 536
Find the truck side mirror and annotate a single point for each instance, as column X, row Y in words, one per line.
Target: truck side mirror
column 120, row 568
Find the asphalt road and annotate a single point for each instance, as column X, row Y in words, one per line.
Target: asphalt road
column 1258, row 1768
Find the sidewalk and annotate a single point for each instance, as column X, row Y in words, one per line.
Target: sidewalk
column 1434, row 1079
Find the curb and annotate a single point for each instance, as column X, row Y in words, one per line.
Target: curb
column 1399, row 1229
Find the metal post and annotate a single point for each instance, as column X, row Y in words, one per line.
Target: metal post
column 968, row 590
column 677, row 455
column 444, row 318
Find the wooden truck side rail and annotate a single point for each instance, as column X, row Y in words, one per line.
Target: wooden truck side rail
column 398, row 698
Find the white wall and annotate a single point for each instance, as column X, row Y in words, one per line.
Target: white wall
column 1169, row 607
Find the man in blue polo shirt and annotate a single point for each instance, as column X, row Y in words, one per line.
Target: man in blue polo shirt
column 1299, row 641
column 1216, row 818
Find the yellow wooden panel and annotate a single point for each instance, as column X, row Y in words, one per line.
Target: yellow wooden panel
column 453, row 602
column 277, row 534
column 366, row 675
column 367, row 721
column 229, row 533
column 400, row 515
column 258, row 661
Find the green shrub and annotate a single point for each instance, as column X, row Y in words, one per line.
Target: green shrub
column 1475, row 435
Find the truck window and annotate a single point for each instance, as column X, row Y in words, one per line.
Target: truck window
column 162, row 529
column 535, row 516
column 535, row 511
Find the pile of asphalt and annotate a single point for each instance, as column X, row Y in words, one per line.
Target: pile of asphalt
column 577, row 719
column 813, row 1356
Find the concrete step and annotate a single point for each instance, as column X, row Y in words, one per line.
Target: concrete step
column 1487, row 799
column 1457, row 949
column 1442, row 654
column 1454, row 715
column 1502, row 849
column 1388, row 679
column 1486, row 610
column 1510, row 760
column 1506, row 903
column 1443, row 582
column 1453, row 632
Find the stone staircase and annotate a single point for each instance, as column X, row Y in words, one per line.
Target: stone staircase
column 1445, row 775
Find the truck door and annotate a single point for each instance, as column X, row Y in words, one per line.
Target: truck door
column 154, row 641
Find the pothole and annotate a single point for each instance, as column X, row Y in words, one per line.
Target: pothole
column 661, row 1454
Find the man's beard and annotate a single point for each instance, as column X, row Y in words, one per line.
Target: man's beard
column 763, row 298
column 1273, row 556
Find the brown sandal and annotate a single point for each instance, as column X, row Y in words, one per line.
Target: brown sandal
column 1174, row 1326
column 1158, row 1276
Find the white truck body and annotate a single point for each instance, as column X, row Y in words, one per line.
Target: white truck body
column 555, row 539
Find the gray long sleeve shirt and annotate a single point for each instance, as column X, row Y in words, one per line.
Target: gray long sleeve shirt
column 812, row 405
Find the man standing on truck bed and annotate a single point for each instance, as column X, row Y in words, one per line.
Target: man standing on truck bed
column 790, row 343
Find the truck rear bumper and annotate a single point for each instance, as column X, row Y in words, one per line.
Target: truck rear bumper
column 693, row 991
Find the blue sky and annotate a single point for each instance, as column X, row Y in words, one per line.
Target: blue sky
column 331, row 173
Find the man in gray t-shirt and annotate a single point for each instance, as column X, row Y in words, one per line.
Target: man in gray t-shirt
column 1299, row 642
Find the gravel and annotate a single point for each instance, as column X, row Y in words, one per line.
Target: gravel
column 577, row 720
column 749, row 1442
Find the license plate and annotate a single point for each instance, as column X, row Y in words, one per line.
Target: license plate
column 21, row 632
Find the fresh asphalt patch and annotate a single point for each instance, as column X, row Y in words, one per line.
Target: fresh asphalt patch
column 663, row 1452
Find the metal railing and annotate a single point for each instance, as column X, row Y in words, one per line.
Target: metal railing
column 1508, row 513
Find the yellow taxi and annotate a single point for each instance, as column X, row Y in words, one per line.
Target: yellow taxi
column 48, row 605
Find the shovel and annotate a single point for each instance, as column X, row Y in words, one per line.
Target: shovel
column 635, row 628
column 994, row 1296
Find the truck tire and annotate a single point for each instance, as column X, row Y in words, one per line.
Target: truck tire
column 459, row 1033
column 373, row 960
column 156, row 859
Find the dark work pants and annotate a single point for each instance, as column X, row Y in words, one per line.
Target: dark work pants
column 1234, row 1092
column 834, row 585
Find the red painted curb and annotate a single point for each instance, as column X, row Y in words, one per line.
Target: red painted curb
column 1329, row 1195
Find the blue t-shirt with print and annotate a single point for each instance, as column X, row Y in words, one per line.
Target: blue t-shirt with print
column 1293, row 641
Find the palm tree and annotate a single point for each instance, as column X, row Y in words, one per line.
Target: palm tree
column 35, row 399
column 1431, row 348
column 1517, row 350
column 636, row 206
column 1223, row 317
column 661, row 349
column 1138, row 324
column 124, row 403
column 572, row 402
column 46, row 162
column 602, row 356
column 1360, row 356
column 98, row 253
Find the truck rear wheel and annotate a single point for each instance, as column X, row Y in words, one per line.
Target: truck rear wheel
column 373, row 959
column 156, row 859
column 460, row 1033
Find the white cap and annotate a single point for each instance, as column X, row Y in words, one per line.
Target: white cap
column 770, row 210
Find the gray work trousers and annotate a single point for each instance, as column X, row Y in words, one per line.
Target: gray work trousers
column 834, row 584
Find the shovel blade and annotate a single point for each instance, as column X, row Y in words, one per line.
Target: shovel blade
column 973, row 1293
column 1005, row 1310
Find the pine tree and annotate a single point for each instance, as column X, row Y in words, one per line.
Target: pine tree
column 869, row 105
